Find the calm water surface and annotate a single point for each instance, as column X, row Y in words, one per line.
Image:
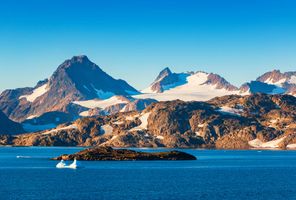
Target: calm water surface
column 217, row 174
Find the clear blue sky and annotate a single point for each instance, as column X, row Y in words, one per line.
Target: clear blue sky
column 135, row 39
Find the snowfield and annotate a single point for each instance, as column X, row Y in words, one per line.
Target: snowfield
column 36, row 93
column 106, row 129
column 94, row 103
column 193, row 90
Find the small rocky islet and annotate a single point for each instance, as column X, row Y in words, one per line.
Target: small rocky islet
column 109, row 154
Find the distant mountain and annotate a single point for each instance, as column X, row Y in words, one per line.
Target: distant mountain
column 75, row 79
column 9, row 127
column 187, row 86
column 273, row 82
column 286, row 80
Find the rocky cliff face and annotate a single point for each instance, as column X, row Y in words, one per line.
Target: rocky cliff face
column 234, row 121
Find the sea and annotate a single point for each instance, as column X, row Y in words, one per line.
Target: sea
column 28, row 173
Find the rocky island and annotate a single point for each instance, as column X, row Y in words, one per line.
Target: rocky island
column 108, row 154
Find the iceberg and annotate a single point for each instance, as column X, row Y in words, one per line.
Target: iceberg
column 61, row 164
column 73, row 165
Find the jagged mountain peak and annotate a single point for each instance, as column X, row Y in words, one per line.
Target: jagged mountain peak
column 163, row 73
column 89, row 79
column 77, row 62
column 78, row 59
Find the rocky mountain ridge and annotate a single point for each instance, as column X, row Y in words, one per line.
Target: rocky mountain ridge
column 228, row 122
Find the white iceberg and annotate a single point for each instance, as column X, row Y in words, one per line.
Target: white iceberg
column 73, row 165
column 61, row 164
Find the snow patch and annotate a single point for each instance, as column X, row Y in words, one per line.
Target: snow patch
column 102, row 94
column 32, row 116
column 273, row 121
column 60, row 129
column 277, row 83
column 84, row 114
column 291, row 146
column 106, row 129
column 118, row 122
column 231, row 111
column 131, row 118
column 100, row 103
column 144, row 124
column 198, row 133
column 292, row 79
column 160, row 137
column 271, row 144
column 148, row 90
column 36, row 93
column 114, row 137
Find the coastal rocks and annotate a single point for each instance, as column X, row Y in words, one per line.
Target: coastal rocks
column 108, row 154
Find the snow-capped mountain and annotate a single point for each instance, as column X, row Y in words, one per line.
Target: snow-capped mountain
column 187, row 86
column 165, row 81
column 273, row 82
column 286, row 80
column 76, row 79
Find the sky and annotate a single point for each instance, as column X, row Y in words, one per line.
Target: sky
column 135, row 39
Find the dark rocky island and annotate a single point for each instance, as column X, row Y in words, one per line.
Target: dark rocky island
column 108, row 153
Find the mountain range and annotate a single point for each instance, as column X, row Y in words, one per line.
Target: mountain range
column 80, row 88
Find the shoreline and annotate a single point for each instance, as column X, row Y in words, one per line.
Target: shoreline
column 153, row 148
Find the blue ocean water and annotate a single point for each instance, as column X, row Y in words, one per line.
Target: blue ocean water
column 217, row 174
